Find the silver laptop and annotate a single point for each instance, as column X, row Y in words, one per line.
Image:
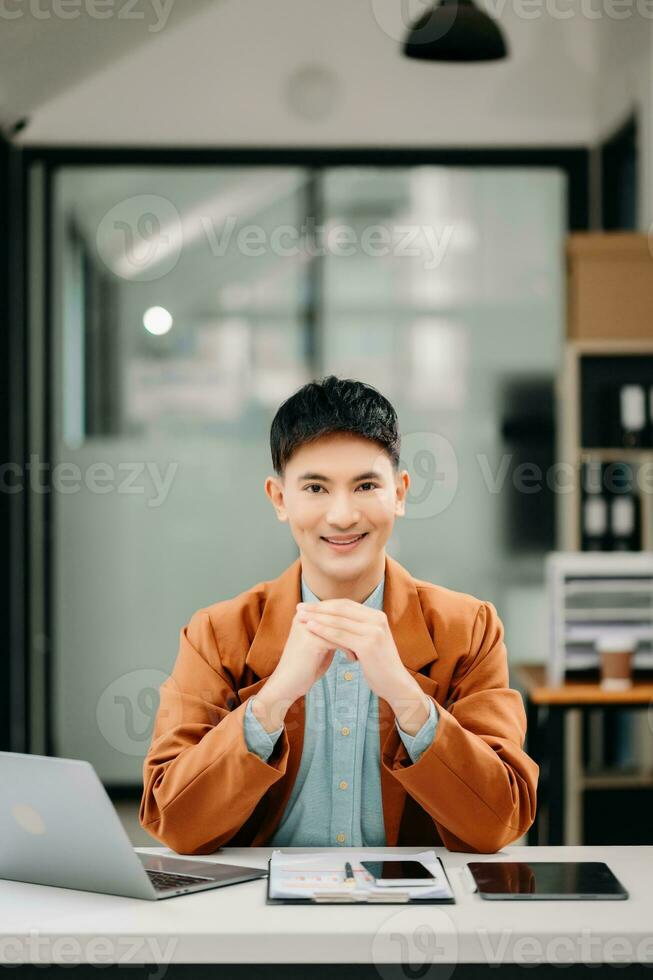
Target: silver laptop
column 59, row 827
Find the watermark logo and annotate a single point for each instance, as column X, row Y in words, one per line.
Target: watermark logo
column 140, row 238
column 127, row 708
column 432, row 464
column 417, row 16
column 416, row 943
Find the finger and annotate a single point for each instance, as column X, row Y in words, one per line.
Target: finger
column 340, row 607
column 337, row 621
column 344, row 639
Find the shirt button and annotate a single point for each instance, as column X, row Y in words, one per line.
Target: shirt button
column 348, row 675
column 344, row 784
column 344, row 730
column 340, row 838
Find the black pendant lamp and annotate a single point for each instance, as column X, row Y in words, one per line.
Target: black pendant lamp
column 455, row 30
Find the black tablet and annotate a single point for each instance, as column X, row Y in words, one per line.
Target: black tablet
column 545, row 880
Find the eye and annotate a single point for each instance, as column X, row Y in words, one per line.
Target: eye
column 311, row 485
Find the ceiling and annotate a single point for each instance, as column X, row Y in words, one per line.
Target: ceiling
column 43, row 53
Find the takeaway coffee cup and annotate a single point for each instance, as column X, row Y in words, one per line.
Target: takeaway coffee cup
column 616, row 652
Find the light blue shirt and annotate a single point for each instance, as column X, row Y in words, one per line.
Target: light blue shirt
column 336, row 798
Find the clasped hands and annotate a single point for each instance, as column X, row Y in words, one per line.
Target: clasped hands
column 364, row 635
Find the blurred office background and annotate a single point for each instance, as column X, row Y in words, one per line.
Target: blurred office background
column 150, row 334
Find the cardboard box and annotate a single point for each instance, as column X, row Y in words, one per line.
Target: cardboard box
column 609, row 286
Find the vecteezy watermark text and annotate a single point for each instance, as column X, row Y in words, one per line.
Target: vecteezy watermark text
column 156, row 12
column 143, row 237
column 340, row 240
column 395, row 19
column 95, row 950
column 98, row 477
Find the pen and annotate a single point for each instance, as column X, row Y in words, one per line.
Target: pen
column 349, row 874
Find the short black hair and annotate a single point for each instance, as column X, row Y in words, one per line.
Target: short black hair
column 329, row 405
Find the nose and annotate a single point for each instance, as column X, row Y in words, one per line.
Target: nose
column 343, row 513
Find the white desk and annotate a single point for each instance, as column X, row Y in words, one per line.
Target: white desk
column 233, row 925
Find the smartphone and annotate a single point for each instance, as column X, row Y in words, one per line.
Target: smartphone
column 401, row 873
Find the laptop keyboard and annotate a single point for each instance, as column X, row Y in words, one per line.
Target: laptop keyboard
column 164, row 880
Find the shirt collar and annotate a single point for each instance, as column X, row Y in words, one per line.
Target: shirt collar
column 374, row 599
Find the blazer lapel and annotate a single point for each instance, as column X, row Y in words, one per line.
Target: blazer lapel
column 281, row 597
column 283, row 594
column 416, row 648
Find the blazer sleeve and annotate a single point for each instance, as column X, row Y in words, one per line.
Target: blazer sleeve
column 200, row 781
column 475, row 780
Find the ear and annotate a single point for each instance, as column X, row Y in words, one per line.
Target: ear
column 403, row 483
column 274, row 490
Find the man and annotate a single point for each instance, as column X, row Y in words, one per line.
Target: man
column 376, row 710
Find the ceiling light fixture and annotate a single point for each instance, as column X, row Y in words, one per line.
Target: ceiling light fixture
column 455, row 30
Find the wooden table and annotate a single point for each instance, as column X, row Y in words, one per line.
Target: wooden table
column 547, row 709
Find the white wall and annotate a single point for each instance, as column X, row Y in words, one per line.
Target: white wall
column 231, row 75
column 625, row 82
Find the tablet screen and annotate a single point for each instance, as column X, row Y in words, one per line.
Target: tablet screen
column 545, row 879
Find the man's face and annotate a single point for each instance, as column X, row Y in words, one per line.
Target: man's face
column 340, row 485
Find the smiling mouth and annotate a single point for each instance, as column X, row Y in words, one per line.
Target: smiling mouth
column 345, row 544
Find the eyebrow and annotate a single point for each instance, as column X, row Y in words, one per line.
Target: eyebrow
column 371, row 474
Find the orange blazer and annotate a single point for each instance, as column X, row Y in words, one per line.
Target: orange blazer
column 473, row 789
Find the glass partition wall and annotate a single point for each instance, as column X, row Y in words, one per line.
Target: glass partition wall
column 188, row 302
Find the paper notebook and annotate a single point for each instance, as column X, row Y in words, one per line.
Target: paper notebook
column 320, row 878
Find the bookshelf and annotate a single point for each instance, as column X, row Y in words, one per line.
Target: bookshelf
column 609, row 303
column 570, row 448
